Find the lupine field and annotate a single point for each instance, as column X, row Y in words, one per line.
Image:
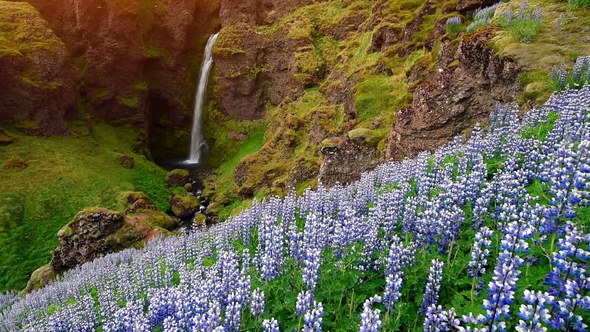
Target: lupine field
column 484, row 235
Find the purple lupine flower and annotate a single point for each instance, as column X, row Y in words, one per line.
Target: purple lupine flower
column 312, row 266
column 433, row 285
column 313, row 319
column 270, row 325
column 534, row 311
column 501, row 291
column 370, row 318
column 304, row 300
column 257, row 303
column 479, row 254
column 439, row 320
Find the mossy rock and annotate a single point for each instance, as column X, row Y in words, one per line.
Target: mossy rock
column 15, row 163
column 127, row 198
column 65, row 231
column 200, row 219
column 370, row 137
column 7, row 138
column 184, row 206
column 158, row 219
column 177, row 178
column 125, row 237
column 332, row 142
column 40, row 277
column 126, row 161
column 188, row 187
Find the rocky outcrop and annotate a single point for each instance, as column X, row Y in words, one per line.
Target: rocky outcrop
column 469, row 83
column 37, row 81
column 139, row 60
column 96, row 232
column 177, row 178
column 345, row 162
column 253, row 69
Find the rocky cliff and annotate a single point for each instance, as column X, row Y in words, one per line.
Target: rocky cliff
column 38, row 82
column 343, row 85
column 138, row 61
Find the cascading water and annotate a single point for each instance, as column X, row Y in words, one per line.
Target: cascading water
column 198, row 142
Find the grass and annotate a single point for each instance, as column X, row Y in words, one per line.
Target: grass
column 62, row 176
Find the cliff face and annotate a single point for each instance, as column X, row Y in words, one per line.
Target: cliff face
column 344, row 84
column 138, row 60
column 38, row 83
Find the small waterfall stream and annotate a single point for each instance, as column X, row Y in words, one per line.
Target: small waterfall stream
column 198, row 142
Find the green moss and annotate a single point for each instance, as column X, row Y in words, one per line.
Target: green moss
column 536, row 88
column 126, row 198
column 370, row 137
column 76, row 172
column 183, row 205
column 158, row 219
column 379, row 93
column 129, row 101
column 229, row 40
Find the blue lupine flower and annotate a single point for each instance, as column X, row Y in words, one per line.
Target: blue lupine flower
column 479, row 254
column 270, row 325
column 313, row 319
column 257, row 304
column 433, row 285
column 370, row 318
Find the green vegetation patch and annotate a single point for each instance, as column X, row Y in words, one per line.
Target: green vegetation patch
column 62, row 176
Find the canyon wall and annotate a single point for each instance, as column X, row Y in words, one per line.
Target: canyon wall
column 137, row 61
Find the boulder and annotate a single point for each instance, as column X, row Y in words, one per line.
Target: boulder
column 127, row 198
column 40, row 277
column 93, row 233
column 126, row 161
column 184, row 207
column 140, row 204
column 34, row 68
column 177, row 178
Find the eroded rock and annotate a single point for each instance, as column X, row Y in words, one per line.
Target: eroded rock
column 90, row 235
column 470, row 83
column 345, row 162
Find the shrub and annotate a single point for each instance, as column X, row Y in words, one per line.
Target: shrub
column 575, row 78
column 482, row 17
column 523, row 26
column 454, row 24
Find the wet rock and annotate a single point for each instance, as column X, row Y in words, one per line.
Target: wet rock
column 200, row 219
column 184, row 207
column 177, row 178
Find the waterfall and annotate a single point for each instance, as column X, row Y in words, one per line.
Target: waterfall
column 197, row 139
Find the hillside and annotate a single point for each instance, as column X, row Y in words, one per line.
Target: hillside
column 357, row 83
column 303, row 92
column 477, row 236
